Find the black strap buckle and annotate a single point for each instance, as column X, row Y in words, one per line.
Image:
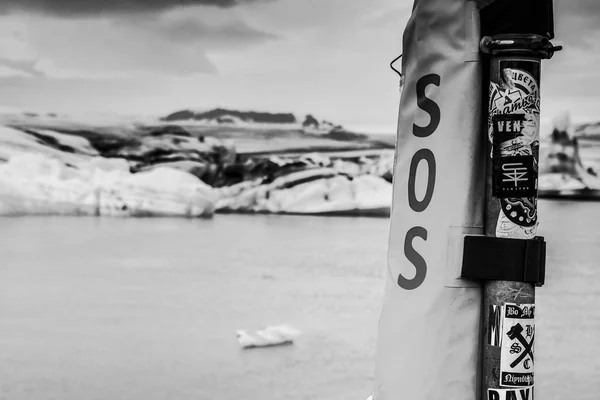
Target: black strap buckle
column 487, row 258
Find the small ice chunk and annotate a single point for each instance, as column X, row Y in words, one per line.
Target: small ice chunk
column 270, row 336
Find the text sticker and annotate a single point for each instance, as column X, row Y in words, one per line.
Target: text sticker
column 510, row 394
column 516, row 354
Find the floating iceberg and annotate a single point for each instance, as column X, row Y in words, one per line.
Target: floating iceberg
column 312, row 191
column 127, row 169
column 15, row 142
column 562, row 172
column 35, row 184
column 270, row 336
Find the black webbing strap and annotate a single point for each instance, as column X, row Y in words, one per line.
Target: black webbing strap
column 498, row 259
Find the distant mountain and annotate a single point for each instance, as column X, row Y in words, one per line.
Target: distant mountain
column 222, row 115
column 590, row 130
column 249, row 119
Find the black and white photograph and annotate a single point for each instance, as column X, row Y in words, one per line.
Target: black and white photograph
column 299, row 199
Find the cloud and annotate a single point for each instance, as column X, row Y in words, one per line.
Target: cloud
column 13, row 40
column 170, row 43
column 23, row 68
column 589, row 8
column 94, row 8
column 57, row 48
column 396, row 15
column 209, row 29
column 47, row 68
column 7, row 72
column 576, row 23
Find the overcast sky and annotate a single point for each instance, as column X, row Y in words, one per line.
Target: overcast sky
column 327, row 57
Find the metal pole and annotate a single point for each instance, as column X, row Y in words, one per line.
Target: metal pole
column 511, row 212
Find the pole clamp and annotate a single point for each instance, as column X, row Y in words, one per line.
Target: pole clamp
column 488, row 258
column 519, row 44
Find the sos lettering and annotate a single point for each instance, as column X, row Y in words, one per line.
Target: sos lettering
column 419, row 205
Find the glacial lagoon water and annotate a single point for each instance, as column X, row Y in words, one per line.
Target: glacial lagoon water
column 147, row 309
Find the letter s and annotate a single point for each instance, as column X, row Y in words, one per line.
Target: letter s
column 415, row 258
column 427, row 105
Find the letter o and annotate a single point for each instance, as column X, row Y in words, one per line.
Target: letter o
column 415, row 204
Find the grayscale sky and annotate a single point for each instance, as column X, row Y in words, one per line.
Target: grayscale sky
column 327, row 57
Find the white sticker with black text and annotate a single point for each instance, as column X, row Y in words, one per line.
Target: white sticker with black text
column 516, row 354
column 511, row 394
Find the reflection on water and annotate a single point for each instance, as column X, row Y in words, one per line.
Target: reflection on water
column 147, row 309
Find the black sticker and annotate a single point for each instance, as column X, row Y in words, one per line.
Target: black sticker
column 520, row 210
column 507, row 127
column 516, row 379
column 520, row 312
column 514, row 161
column 514, row 176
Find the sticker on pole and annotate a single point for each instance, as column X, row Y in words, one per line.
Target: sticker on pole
column 514, row 132
column 495, row 326
column 516, row 354
column 514, row 163
column 510, row 394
